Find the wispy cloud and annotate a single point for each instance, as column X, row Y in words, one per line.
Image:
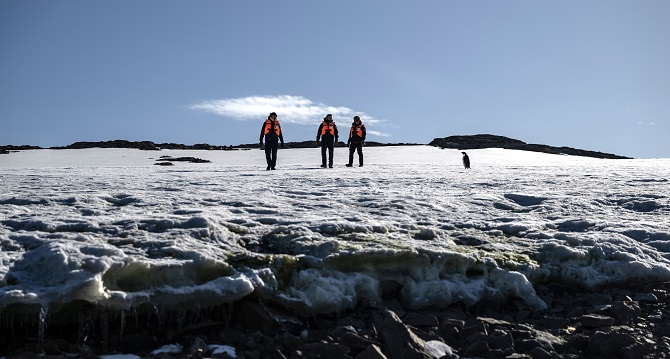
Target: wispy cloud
column 641, row 123
column 290, row 109
column 377, row 133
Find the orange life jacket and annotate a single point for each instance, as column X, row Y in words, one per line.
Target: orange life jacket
column 269, row 125
column 328, row 127
column 358, row 129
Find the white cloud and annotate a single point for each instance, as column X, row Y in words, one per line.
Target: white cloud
column 641, row 123
column 289, row 109
column 377, row 133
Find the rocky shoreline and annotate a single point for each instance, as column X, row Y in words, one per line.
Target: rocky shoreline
column 455, row 142
column 630, row 323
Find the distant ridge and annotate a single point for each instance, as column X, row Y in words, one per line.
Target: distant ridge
column 494, row 141
column 151, row 146
column 456, row 142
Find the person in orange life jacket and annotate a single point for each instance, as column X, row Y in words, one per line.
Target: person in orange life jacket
column 355, row 142
column 328, row 134
column 272, row 132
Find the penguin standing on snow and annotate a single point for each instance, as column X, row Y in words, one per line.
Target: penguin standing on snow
column 466, row 160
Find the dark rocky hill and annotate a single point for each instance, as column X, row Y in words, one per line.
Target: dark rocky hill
column 494, row 141
column 456, row 142
column 152, row 146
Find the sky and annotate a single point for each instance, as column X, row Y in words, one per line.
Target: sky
column 586, row 74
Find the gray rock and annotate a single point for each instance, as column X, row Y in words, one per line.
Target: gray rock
column 505, row 342
column 356, row 342
column 371, row 352
column 476, row 349
column 596, row 321
column 399, row 341
column 539, row 353
column 324, row 351
column 609, row 343
column 525, row 346
column 421, row 320
column 646, row 298
column 636, row 351
column 478, row 327
column 199, row 346
column 626, row 310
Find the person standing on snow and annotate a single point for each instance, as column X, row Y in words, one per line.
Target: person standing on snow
column 272, row 132
column 355, row 141
column 328, row 134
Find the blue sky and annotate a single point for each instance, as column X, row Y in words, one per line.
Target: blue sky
column 587, row 74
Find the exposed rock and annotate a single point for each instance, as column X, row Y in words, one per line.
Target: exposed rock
column 142, row 145
column 371, row 352
column 182, row 159
column 323, row 351
column 256, row 329
column 539, row 353
column 494, row 141
column 456, row 142
column 149, row 145
column 609, row 343
column 9, row 148
column 626, row 310
column 420, row 320
column 399, row 341
column 596, row 321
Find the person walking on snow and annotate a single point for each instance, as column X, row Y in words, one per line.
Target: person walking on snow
column 272, row 132
column 328, row 134
column 355, row 141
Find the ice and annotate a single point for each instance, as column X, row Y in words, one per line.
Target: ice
column 438, row 349
column 168, row 349
column 108, row 227
column 223, row 349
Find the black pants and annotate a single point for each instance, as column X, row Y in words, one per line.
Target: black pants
column 330, row 146
column 353, row 147
column 271, row 154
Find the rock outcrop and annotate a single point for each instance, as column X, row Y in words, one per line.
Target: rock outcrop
column 625, row 322
column 456, row 142
column 494, row 141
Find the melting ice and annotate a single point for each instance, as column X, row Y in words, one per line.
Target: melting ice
column 108, row 227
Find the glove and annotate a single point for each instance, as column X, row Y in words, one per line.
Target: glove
column 282, row 145
column 318, row 143
column 337, row 140
column 260, row 143
column 347, row 144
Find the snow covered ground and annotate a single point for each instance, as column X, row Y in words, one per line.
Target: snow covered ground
column 108, row 226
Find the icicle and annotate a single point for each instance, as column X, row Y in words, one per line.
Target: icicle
column 104, row 323
column 158, row 318
column 181, row 318
column 42, row 324
column 122, row 324
column 84, row 328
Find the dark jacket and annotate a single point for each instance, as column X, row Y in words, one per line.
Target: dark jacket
column 327, row 135
column 356, row 133
column 269, row 130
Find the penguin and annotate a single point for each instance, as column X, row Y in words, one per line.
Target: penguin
column 466, row 160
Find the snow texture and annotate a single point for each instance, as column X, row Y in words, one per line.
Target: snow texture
column 107, row 226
